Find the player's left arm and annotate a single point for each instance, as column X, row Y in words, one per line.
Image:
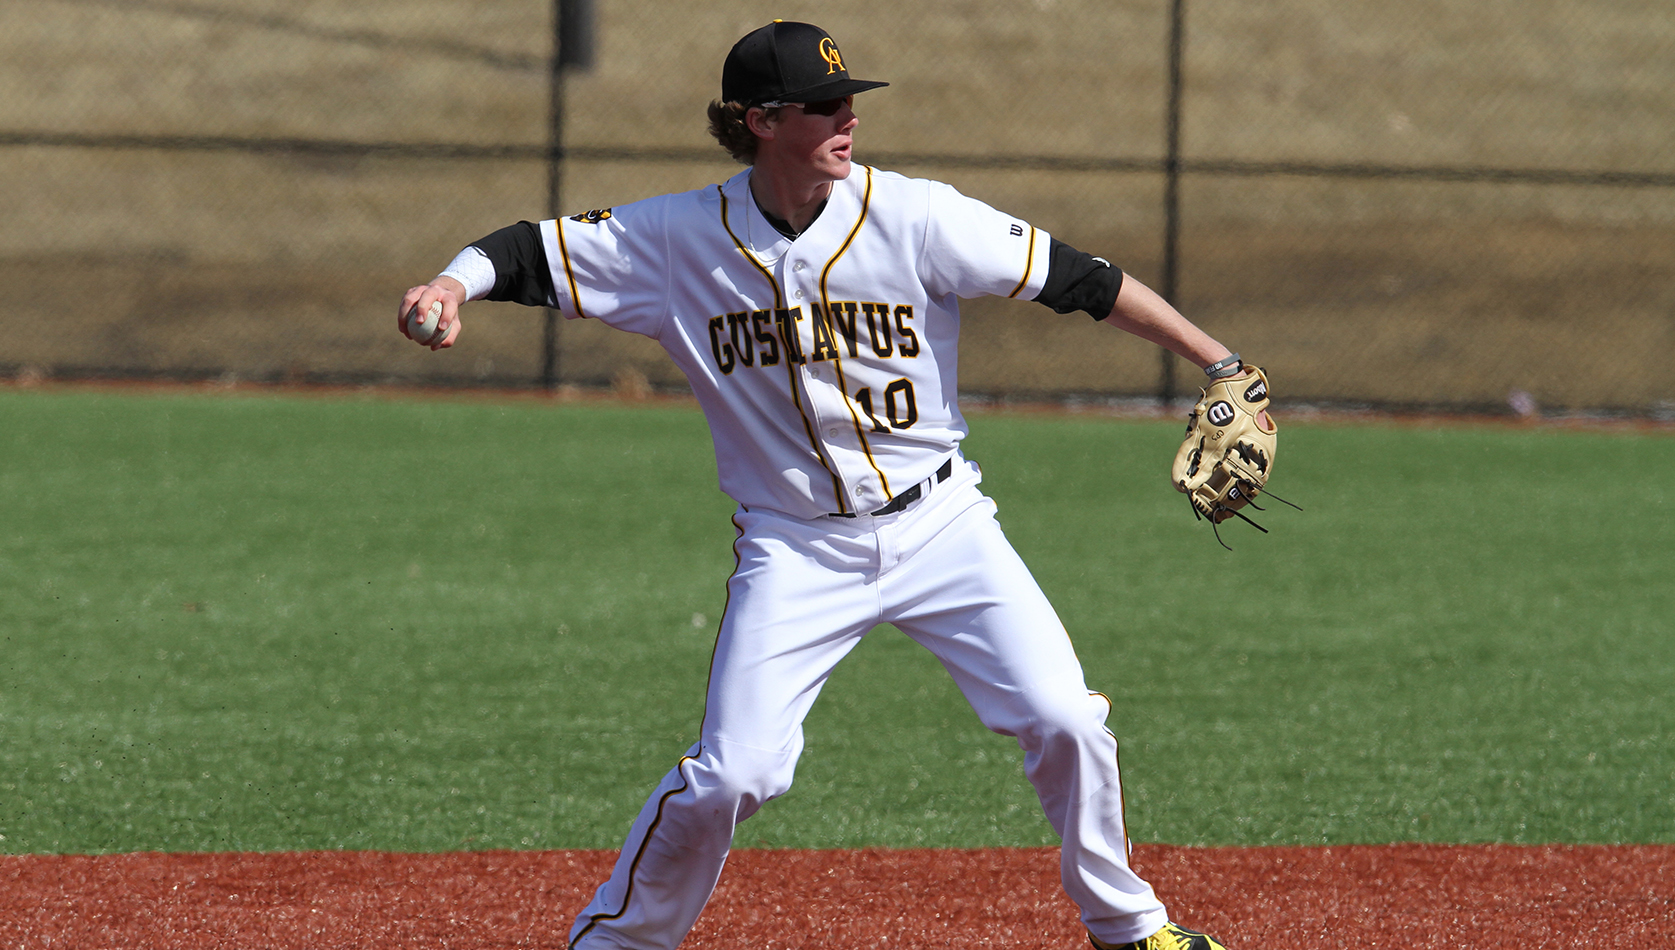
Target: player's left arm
column 972, row 249
column 1220, row 467
column 1077, row 280
column 1139, row 310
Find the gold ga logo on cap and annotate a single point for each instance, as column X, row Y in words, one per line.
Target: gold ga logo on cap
column 829, row 53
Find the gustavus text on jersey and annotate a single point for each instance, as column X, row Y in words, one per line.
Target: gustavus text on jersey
column 847, row 329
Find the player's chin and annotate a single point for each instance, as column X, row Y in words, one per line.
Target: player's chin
column 837, row 160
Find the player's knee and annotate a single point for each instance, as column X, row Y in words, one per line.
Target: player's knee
column 1058, row 718
column 743, row 779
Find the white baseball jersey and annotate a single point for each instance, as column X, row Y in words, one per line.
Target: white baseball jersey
column 826, row 365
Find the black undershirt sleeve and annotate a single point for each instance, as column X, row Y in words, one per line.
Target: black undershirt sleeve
column 1079, row 281
column 521, row 274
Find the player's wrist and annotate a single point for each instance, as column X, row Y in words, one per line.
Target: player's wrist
column 451, row 286
column 1229, row 365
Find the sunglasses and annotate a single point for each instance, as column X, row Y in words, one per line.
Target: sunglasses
column 823, row 107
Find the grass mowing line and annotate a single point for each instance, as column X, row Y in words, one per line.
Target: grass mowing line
column 269, row 623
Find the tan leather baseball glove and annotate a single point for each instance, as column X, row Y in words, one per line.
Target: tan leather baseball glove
column 1228, row 453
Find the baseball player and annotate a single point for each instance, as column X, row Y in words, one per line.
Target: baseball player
column 812, row 303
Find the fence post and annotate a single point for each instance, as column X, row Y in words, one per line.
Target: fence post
column 572, row 49
column 555, row 182
column 1171, row 188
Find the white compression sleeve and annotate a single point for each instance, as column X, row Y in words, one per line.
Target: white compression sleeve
column 473, row 269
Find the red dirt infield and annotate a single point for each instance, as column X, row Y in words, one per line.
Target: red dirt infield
column 1408, row 896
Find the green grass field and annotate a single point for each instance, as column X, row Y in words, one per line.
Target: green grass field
column 274, row 622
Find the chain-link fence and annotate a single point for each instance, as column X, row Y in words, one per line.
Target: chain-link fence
column 1427, row 202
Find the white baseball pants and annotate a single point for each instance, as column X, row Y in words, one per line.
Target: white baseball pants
column 804, row 594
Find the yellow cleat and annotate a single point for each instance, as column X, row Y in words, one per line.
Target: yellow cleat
column 1171, row 937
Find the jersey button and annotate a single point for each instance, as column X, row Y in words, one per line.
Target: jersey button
column 798, row 266
column 798, row 295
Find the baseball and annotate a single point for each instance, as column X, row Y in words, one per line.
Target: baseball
column 423, row 328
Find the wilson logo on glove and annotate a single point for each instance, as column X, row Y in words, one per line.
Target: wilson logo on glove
column 1228, row 453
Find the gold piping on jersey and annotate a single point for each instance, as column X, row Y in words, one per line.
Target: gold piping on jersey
column 837, row 361
column 790, row 366
column 726, row 604
column 1029, row 264
column 1122, row 793
column 564, row 252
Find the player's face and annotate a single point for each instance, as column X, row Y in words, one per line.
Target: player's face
column 818, row 135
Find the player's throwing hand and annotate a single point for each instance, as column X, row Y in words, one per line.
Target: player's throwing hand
column 419, row 315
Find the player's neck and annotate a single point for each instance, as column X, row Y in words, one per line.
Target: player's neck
column 796, row 202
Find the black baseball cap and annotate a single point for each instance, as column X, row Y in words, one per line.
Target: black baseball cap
column 787, row 62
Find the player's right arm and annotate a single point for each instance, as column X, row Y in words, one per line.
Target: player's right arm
column 509, row 264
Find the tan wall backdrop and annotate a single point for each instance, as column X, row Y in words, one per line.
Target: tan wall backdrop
column 1426, row 202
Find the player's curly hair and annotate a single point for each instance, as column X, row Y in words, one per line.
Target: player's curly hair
column 728, row 127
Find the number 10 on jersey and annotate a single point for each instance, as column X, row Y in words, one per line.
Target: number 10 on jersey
column 899, row 405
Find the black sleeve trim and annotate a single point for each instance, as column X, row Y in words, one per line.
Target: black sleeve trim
column 1079, row 281
column 521, row 274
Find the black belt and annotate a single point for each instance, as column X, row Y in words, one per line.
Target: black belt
column 906, row 498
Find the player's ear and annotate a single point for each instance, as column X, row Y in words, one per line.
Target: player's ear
column 761, row 121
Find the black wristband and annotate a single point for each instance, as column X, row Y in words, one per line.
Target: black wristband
column 1225, row 367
